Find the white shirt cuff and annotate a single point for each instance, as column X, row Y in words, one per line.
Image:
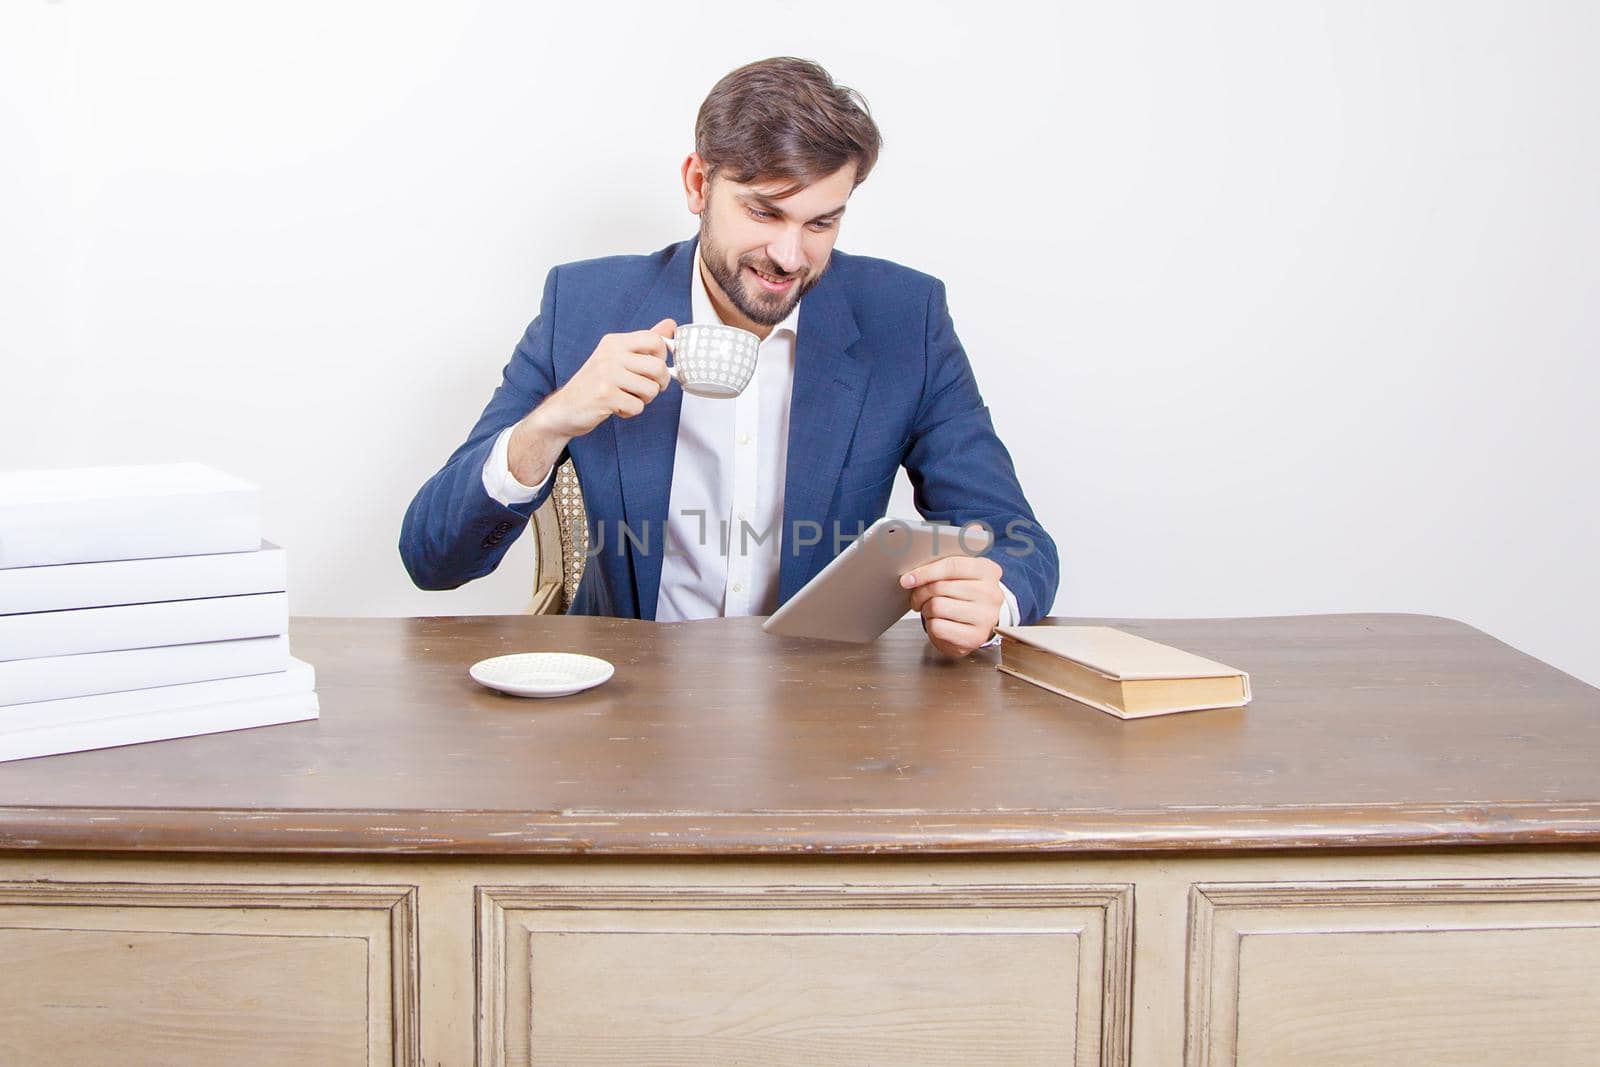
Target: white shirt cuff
column 501, row 484
column 1010, row 615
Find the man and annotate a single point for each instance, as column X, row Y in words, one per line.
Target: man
column 702, row 507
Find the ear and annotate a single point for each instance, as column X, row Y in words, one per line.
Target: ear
column 696, row 185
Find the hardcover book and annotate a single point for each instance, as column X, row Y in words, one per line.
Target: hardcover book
column 299, row 677
column 141, row 581
column 176, row 622
column 161, row 725
column 23, row 681
column 88, row 514
column 1123, row 674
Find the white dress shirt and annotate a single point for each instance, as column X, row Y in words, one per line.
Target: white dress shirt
column 725, row 514
column 723, row 541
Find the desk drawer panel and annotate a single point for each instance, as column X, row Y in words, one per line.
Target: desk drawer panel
column 886, row 975
column 1463, row 972
column 124, row 973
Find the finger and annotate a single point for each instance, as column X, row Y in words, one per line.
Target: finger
column 957, row 588
column 643, row 386
column 953, row 638
column 951, row 567
column 967, row 567
column 924, row 593
column 653, row 367
column 988, row 596
column 627, row 405
column 665, row 328
column 963, row 611
column 646, row 342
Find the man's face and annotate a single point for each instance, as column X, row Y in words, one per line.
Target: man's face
column 765, row 253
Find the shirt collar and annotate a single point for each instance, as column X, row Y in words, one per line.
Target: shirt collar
column 704, row 310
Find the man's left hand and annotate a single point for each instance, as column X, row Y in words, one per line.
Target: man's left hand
column 959, row 598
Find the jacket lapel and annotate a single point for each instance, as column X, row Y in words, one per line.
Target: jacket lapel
column 829, row 386
column 647, row 442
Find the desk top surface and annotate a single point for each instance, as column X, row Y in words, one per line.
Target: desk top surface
column 714, row 738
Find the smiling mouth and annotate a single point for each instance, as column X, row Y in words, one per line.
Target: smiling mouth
column 770, row 283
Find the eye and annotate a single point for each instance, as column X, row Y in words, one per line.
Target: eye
column 757, row 213
column 823, row 226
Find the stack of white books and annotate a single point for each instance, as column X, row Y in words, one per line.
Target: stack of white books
column 140, row 604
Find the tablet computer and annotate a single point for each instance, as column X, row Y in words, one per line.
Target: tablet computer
column 857, row 595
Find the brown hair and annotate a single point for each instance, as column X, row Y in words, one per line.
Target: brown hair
column 784, row 119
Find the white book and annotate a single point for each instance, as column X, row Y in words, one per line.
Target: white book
column 158, row 726
column 86, row 514
column 177, row 622
column 142, row 581
column 23, row 681
column 299, row 677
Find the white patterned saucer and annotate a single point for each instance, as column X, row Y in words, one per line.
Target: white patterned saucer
column 541, row 674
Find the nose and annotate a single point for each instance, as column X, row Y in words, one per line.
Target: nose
column 787, row 253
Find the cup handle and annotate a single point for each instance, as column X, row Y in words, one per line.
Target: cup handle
column 672, row 352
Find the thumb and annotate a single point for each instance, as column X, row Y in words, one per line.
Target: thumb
column 666, row 328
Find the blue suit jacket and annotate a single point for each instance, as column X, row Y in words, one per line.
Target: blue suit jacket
column 880, row 381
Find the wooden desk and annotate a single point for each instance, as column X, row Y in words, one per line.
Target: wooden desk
column 751, row 849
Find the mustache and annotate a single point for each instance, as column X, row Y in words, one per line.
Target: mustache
column 768, row 269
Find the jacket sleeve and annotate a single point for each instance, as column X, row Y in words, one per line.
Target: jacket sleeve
column 454, row 531
column 961, row 473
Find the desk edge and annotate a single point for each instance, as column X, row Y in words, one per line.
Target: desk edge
column 789, row 833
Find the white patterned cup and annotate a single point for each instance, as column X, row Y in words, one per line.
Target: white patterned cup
column 712, row 360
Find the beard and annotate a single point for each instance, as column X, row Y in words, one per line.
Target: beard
column 753, row 302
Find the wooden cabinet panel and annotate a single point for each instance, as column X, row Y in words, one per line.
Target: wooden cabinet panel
column 1468, row 972
column 124, row 973
column 697, row 974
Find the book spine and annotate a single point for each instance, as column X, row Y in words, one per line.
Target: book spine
column 24, row 681
column 299, row 677
column 143, row 581
column 158, row 726
column 1056, row 689
column 138, row 527
column 178, row 622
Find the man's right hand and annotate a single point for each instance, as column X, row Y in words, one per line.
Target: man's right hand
column 624, row 373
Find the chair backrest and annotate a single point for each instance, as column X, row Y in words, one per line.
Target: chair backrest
column 562, row 529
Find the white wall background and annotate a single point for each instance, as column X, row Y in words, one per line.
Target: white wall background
column 1282, row 307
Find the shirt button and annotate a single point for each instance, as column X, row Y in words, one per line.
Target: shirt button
column 740, row 516
column 744, row 439
column 738, row 587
